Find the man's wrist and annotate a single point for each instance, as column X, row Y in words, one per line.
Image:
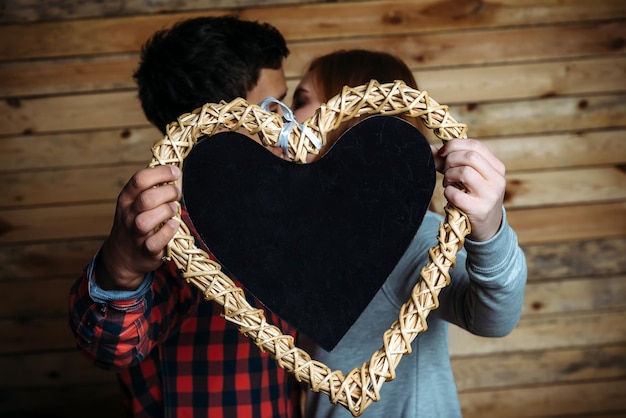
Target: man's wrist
column 105, row 278
column 100, row 294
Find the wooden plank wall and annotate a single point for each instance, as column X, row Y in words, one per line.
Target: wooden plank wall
column 543, row 82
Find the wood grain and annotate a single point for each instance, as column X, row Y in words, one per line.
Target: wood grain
column 567, row 259
column 119, row 110
column 565, row 187
column 547, row 332
column 543, row 83
column 94, row 184
column 420, row 52
column 65, row 259
column 85, row 149
column 52, row 259
column 540, row 367
column 54, row 223
column 569, row 223
column 590, row 399
column 568, row 150
column 298, row 23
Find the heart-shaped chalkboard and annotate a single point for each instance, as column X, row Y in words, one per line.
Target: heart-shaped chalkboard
column 313, row 242
column 360, row 387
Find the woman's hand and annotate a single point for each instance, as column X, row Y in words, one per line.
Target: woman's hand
column 470, row 164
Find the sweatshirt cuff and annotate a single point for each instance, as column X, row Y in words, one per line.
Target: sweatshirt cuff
column 494, row 255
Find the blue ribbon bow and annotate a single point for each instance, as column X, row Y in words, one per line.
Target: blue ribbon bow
column 290, row 122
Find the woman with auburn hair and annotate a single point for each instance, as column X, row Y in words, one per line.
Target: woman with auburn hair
column 485, row 295
column 328, row 74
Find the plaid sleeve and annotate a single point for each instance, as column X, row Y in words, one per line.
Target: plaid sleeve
column 116, row 334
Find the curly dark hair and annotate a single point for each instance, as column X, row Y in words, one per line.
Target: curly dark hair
column 204, row 60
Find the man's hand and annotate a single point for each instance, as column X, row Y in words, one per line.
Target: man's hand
column 134, row 246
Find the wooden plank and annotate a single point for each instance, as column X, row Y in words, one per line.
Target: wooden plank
column 80, row 149
column 69, row 113
column 524, row 80
column 471, row 373
column 44, row 297
column 565, row 223
column 123, row 146
column 574, row 295
column 591, row 399
column 49, row 297
column 98, row 73
column 581, row 399
column 563, row 187
column 552, row 261
column 543, row 332
column 456, row 84
column 65, row 186
column 533, row 226
column 50, row 369
column 122, row 110
column 524, row 189
column 576, row 259
column 418, row 51
column 547, row 332
column 551, row 224
column 476, row 48
column 537, row 368
column 101, row 400
column 38, row 298
column 24, row 335
column 549, row 115
column 53, row 260
column 297, row 23
column 65, row 259
column 576, row 149
column 28, row 11
column 54, row 223
column 22, row 11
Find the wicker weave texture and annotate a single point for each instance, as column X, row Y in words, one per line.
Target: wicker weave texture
column 357, row 389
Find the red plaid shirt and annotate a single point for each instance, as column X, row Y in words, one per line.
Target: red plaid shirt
column 175, row 356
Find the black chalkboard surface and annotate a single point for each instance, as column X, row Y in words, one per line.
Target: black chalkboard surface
column 313, row 242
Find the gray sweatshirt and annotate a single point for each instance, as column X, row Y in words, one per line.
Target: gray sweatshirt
column 485, row 297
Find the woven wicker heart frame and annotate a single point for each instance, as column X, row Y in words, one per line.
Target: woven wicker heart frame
column 361, row 386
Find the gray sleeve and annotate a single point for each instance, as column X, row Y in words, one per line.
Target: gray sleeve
column 486, row 292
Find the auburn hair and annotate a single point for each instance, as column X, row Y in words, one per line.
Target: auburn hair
column 330, row 73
